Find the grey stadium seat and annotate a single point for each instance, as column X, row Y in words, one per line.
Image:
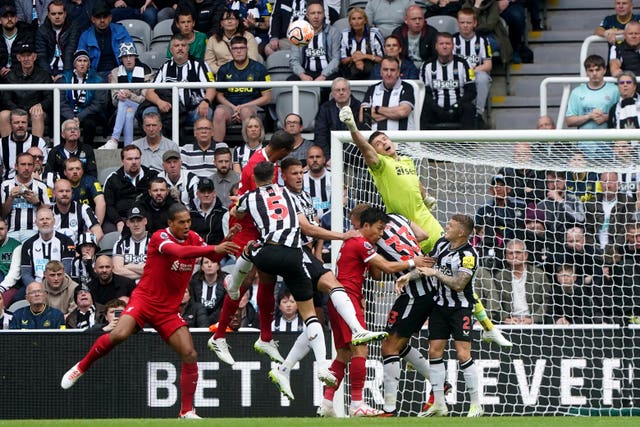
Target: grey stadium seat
column 309, row 105
column 139, row 31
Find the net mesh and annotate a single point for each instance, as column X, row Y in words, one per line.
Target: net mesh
column 579, row 252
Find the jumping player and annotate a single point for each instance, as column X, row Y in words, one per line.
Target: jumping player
column 322, row 279
column 456, row 262
column 156, row 300
column 391, row 172
column 356, row 256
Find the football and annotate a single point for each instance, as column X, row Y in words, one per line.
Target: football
column 300, row 32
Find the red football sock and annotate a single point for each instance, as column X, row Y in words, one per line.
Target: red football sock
column 229, row 308
column 266, row 307
column 188, row 384
column 101, row 347
column 357, row 374
column 338, row 368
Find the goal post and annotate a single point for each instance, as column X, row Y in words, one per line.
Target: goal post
column 578, row 368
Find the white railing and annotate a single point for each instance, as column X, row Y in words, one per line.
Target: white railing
column 58, row 89
column 584, row 51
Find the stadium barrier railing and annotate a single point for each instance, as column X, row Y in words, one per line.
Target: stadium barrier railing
column 59, row 89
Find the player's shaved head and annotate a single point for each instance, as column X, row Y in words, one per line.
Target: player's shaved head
column 175, row 209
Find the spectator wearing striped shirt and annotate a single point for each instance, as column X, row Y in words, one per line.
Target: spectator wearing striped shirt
column 17, row 142
column 450, row 88
column 253, row 136
column 475, row 49
column 178, row 178
column 130, row 252
column 198, row 157
column 287, row 318
column 391, row 101
column 45, row 246
column 73, row 218
column 20, row 197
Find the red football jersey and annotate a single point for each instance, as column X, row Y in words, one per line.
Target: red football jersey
column 165, row 277
column 352, row 262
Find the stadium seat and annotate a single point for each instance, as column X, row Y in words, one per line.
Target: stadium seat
column 309, row 105
column 139, row 31
column 18, row 305
column 155, row 60
column 341, row 24
column 357, row 3
column 444, row 23
column 161, row 36
column 278, row 65
column 107, row 242
column 104, row 173
column 358, row 92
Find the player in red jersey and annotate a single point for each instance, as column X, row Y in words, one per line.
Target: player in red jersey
column 156, row 300
column 356, row 256
column 280, row 145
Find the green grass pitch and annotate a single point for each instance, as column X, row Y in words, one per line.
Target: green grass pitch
column 341, row 422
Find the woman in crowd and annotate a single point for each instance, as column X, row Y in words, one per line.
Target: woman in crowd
column 218, row 50
column 360, row 47
column 253, row 135
column 393, row 48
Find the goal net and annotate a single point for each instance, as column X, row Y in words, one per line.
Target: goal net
column 559, row 243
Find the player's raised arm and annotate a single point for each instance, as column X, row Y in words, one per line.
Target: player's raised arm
column 368, row 152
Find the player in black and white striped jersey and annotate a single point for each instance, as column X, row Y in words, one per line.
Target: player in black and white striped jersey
column 278, row 251
column 73, row 218
column 450, row 88
column 130, row 252
column 21, row 196
column 411, row 309
column 475, row 49
column 456, row 263
column 322, row 279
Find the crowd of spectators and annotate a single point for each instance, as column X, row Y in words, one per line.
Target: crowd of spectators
column 553, row 243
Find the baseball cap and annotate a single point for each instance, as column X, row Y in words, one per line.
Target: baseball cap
column 135, row 212
column 205, row 184
column 7, row 9
column 25, row 47
column 101, row 9
column 170, row 154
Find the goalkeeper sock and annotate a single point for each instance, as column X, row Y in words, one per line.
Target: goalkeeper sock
column 481, row 314
column 266, row 307
column 344, row 307
column 419, row 362
column 470, row 373
column 437, row 374
column 100, row 348
column 241, row 268
column 298, row 352
column 390, row 380
column 337, row 368
column 229, row 308
column 188, row 384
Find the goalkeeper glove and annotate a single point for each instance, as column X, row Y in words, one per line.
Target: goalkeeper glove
column 430, row 202
column 346, row 117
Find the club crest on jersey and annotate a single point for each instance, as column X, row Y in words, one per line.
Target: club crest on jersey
column 164, row 235
column 368, row 246
column 469, row 261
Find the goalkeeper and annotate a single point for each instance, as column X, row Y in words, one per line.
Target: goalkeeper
column 390, row 173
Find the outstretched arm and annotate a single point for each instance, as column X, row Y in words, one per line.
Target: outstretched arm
column 212, row 252
column 456, row 283
column 368, row 152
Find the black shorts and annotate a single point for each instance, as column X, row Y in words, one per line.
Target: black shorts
column 408, row 315
column 451, row 322
column 314, row 266
column 284, row 261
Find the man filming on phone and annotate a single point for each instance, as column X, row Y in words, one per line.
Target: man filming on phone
column 389, row 104
column 113, row 310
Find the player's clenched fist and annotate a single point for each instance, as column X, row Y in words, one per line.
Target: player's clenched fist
column 346, row 117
